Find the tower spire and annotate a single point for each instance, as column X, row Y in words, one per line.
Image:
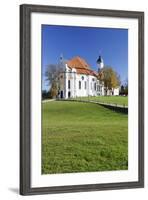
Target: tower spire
column 61, row 61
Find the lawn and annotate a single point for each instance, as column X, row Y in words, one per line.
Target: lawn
column 120, row 100
column 83, row 137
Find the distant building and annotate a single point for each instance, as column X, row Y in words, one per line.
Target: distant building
column 77, row 79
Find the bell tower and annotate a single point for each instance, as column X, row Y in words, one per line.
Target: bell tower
column 100, row 63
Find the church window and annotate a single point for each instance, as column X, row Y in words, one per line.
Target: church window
column 79, row 84
column 68, row 84
column 85, row 85
column 95, row 86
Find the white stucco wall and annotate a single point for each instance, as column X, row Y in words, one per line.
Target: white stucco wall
column 89, row 90
column 74, row 90
column 116, row 91
column 81, row 92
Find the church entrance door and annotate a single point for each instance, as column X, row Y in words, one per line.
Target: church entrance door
column 61, row 95
column 68, row 94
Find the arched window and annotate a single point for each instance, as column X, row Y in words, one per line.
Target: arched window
column 79, row 84
column 68, row 84
column 85, row 85
column 95, row 86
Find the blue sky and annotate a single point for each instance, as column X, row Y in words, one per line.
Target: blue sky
column 88, row 43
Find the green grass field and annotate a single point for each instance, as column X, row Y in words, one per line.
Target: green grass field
column 120, row 100
column 83, row 137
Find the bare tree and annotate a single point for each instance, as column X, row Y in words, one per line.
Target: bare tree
column 52, row 75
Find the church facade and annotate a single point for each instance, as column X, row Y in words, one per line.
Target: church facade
column 77, row 79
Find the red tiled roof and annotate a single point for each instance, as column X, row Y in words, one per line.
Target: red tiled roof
column 78, row 62
column 81, row 66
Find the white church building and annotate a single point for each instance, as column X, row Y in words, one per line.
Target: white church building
column 77, row 79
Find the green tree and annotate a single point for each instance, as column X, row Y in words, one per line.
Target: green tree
column 110, row 78
column 122, row 90
column 126, row 90
column 126, row 87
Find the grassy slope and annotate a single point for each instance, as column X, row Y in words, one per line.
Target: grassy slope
column 79, row 137
column 121, row 100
